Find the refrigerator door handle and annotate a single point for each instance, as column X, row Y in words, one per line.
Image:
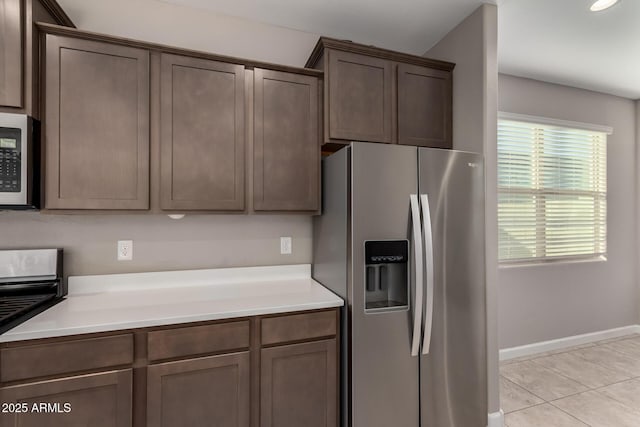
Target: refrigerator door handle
column 419, row 269
column 428, row 241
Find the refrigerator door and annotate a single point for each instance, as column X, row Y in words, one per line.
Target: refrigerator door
column 384, row 375
column 453, row 378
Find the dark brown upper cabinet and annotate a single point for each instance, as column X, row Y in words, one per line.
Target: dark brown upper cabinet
column 202, row 138
column 130, row 125
column 424, row 106
column 19, row 59
column 286, row 149
column 378, row 95
column 359, row 97
column 97, row 125
column 11, row 53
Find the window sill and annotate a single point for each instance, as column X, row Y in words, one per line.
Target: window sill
column 540, row 263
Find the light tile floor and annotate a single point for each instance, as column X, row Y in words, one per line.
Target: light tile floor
column 592, row 385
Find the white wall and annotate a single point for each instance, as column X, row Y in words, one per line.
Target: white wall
column 159, row 22
column 543, row 302
column 160, row 243
column 472, row 45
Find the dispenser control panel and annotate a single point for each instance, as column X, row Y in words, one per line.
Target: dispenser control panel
column 386, row 275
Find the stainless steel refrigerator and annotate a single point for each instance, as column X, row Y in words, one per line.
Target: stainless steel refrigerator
column 401, row 239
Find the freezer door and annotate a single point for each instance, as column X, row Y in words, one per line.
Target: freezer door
column 453, row 379
column 384, row 375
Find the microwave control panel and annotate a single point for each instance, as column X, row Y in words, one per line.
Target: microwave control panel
column 10, row 160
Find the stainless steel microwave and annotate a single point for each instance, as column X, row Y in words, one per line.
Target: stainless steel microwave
column 19, row 162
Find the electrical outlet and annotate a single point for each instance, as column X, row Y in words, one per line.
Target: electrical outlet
column 125, row 250
column 285, row 245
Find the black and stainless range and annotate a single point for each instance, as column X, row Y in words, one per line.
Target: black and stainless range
column 30, row 282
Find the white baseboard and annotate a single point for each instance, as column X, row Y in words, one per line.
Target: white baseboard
column 496, row 419
column 558, row 344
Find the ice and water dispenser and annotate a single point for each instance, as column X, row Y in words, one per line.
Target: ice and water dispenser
column 386, row 275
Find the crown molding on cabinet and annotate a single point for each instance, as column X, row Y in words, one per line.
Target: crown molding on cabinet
column 57, row 12
column 348, row 46
column 248, row 63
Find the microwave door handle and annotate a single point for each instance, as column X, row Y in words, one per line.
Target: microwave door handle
column 418, row 257
column 428, row 242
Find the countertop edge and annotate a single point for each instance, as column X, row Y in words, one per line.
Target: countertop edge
column 329, row 300
column 92, row 329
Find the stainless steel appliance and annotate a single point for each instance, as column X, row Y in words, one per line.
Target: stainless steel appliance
column 19, row 162
column 401, row 239
column 30, row 282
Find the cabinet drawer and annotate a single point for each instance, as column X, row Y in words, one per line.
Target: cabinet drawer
column 64, row 357
column 298, row 327
column 195, row 340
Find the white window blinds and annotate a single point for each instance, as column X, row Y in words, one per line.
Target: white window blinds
column 552, row 192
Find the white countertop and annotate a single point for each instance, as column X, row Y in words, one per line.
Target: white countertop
column 126, row 301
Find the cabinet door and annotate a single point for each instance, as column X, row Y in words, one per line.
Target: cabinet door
column 286, row 151
column 424, row 106
column 204, row 392
column 11, row 53
column 299, row 385
column 359, row 97
column 96, row 125
column 202, row 138
column 96, row 400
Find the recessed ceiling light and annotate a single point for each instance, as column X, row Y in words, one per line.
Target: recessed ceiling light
column 599, row 5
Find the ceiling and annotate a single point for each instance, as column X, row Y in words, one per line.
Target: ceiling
column 561, row 41
column 410, row 26
column 558, row 41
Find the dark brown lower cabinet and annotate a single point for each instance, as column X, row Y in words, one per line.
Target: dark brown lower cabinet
column 203, row 392
column 96, row 400
column 279, row 370
column 298, row 385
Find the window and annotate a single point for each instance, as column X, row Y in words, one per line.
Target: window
column 552, row 189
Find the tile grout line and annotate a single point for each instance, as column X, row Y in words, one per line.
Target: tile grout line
column 550, row 403
column 601, row 395
column 528, row 391
column 567, row 377
column 593, row 363
column 615, row 399
column 598, row 389
column 571, row 415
